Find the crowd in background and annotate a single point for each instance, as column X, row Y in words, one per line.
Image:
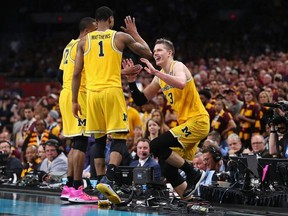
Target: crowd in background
column 233, row 92
column 236, row 71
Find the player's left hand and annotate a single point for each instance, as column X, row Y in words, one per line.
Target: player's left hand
column 130, row 25
column 150, row 69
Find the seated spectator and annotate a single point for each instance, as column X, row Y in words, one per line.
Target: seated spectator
column 215, row 165
column 215, row 136
column 32, row 161
column 214, row 162
column 9, row 165
column 153, row 127
column 40, row 136
column 55, row 165
column 258, row 146
column 157, row 114
column 138, row 134
column 235, row 146
column 52, row 124
column 41, row 152
column 198, row 161
column 145, row 160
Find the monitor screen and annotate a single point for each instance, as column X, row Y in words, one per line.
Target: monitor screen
column 277, row 169
column 124, row 175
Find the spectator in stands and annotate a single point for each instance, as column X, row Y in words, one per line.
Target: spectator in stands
column 32, row 161
column 198, row 161
column 52, row 124
column 251, row 83
column 145, row 159
column 164, row 107
column 235, row 105
column 134, row 117
column 215, row 136
column 213, row 89
column 138, row 134
column 152, row 129
column 223, row 121
column 213, row 158
column 41, row 152
column 157, row 114
column 9, row 165
column 5, row 110
column 39, row 137
column 214, row 165
column 55, row 165
column 241, row 89
column 205, row 97
column 249, row 118
column 258, row 146
column 266, row 113
column 235, row 146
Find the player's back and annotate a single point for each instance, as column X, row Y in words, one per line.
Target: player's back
column 67, row 65
column 102, row 60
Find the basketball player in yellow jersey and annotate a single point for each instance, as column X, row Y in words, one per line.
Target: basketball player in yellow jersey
column 72, row 127
column 101, row 55
column 177, row 146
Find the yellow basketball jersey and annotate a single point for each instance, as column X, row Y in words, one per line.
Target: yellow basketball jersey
column 186, row 102
column 71, row 126
column 103, row 61
column 67, row 66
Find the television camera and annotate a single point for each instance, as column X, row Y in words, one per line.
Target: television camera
column 274, row 117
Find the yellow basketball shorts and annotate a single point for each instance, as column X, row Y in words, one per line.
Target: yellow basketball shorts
column 189, row 134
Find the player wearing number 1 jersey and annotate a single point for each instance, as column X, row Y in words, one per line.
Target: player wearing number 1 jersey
column 100, row 52
column 72, row 127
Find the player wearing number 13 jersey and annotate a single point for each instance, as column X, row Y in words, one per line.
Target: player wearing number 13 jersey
column 100, row 53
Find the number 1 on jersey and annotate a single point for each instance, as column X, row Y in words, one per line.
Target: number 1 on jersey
column 101, row 53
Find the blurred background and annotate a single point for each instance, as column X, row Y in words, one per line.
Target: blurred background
column 34, row 33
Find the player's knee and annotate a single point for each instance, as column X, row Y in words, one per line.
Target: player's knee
column 81, row 143
column 119, row 145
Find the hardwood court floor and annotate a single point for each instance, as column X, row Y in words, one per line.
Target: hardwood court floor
column 33, row 203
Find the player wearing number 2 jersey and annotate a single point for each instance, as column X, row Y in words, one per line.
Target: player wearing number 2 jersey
column 100, row 53
column 72, row 127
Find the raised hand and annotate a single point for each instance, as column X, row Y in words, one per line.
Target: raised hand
column 130, row 25
column 130, row 70
column 150, row 69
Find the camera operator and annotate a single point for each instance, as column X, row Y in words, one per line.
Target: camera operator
column 8, row 164
column 278, row 138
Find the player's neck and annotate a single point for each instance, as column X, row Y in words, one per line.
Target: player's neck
column 167, row 65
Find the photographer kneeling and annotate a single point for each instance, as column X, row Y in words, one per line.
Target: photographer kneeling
column 278, row 138
column 8, row 165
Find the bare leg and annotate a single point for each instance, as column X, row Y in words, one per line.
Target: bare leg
column 78, row 163
column 175, row 160
column 70, row 163
column 180, row 189
column 100, row 166
column 115, row 158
